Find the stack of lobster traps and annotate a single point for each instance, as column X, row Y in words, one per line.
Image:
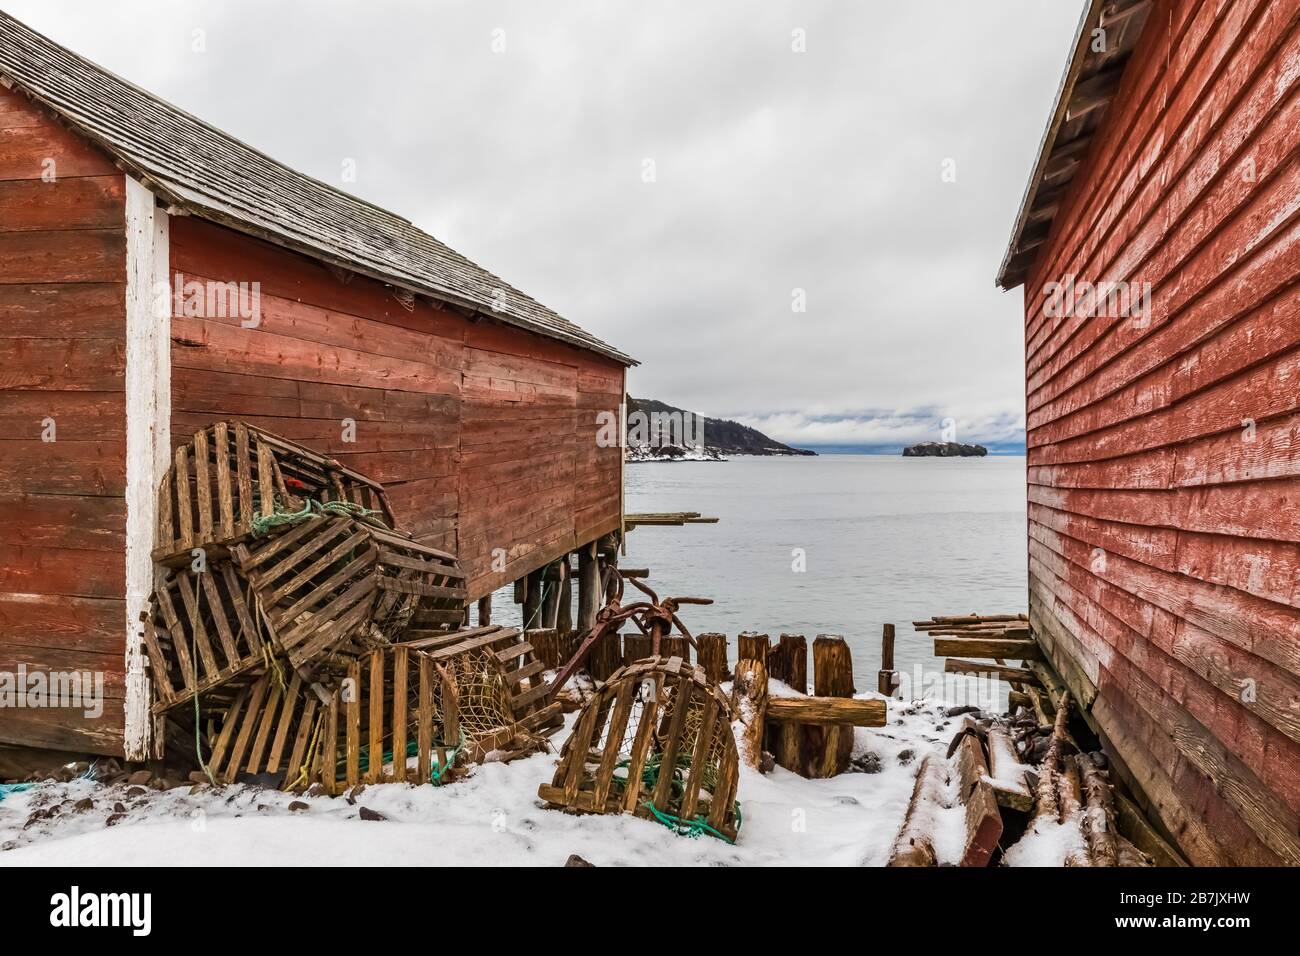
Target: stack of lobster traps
column 298, row 636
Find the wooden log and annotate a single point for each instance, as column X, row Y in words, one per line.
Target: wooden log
column 713, row 656
column 1048, row 792
column 842, row 711
column 485, row 610
column 983, row 819
column 1134, row 827
column 749, row 704
column 1006, row 773
column 826, row 750
column 914, row 845
column 991, row 647
column 588, row 588
column 1017, row 675
column 1099, row 814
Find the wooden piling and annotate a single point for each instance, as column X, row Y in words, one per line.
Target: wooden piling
column 552, row 582
column 564, row 615
column 713, row 657
column 825, row 750
column 588, row 588
column 752, row 646
column 788, row 662
column 533, row 599
column 887, row 679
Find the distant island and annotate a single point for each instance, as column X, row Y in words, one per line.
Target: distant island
column 944, row 449
column 657, row 431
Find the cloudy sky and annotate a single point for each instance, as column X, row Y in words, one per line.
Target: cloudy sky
column 677, row 177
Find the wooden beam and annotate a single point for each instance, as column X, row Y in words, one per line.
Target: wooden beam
column 992, row 647
column 842, row 711
column 1020, row 675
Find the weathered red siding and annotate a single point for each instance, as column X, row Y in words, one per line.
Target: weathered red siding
column 62, row 355
column 1164, row 455
column 484, row 435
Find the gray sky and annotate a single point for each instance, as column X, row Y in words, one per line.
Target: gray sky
column 774, row 170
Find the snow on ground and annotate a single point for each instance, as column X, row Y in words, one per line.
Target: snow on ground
column 493, row 817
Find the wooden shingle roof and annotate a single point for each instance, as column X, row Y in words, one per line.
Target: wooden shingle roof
column 203, row 171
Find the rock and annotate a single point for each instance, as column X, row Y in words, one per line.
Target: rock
column 84, row 804
column 368, row 814
column 317, row 790
column 575, row 860
column 958, row 711
column 298, row 806
column 865, row 763
column 132, row 792
column 355, row 792
column 906, row 756
column 119, row 807
column 106, row 770
column 140, row 778
column 944, row 449
column 114, row 819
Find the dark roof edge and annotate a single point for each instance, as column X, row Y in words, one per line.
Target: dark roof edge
column 1091, row 13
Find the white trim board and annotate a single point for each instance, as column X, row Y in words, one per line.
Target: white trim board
column 148, row 433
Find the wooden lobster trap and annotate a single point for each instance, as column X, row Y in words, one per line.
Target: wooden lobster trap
column 654, row 741
column 333, row 587
column 203, row 634
column 398, row 715
column 231, row 476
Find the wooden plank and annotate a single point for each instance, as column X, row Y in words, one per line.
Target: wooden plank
column 352, row 706
column 1021, row 675
column 399, row 712
column 843, row 711
column 375, row 757
column 424, row 729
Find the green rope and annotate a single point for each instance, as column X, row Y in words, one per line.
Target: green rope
column 437, row 771
column 690, row 828
column 264, row 523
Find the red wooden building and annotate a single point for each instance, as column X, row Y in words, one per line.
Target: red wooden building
column 1158, row 244
column 136, row 244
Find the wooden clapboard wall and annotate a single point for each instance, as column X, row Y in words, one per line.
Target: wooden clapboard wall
column 62, row 357
column 1164, row 457
column 484, row 435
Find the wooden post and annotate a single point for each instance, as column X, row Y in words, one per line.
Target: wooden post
column 752, row 646
column 533, row 599
column 887, row 679
column 825, row 749
column 551, row 600
column 749, row 704
column 588, row 587
column 788, row 662
column 713, row 656
column 485, row 610
column 564, row 616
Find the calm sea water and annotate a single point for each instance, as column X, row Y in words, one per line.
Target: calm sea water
column 882, row 539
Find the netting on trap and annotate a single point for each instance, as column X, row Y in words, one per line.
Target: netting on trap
column 654, row 741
